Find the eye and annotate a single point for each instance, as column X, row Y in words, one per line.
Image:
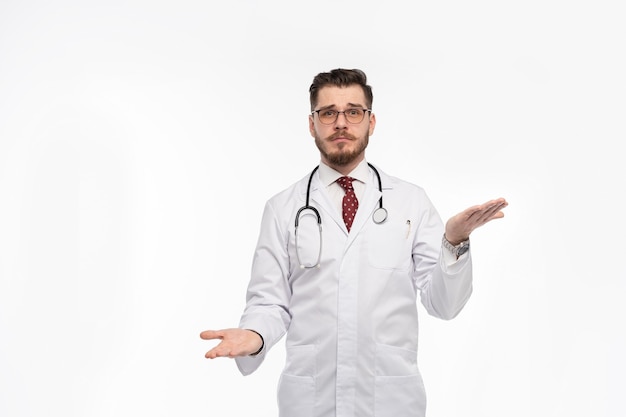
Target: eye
column 354, row 112
column 328, row 113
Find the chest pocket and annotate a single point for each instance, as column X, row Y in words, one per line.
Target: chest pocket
column 389, row 244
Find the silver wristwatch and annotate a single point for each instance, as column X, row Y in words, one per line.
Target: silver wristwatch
column 457, row 250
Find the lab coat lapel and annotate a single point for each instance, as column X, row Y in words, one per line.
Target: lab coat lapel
column 367, row 205
column 320, row 198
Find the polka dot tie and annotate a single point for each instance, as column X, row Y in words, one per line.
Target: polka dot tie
column 350, row 203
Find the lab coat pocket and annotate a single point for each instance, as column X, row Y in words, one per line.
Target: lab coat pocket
column 399, row 387
column 389, row 245
column 400, row 396
column 296, row 396
column 395, row 361
column 296, row 388
column 300, row 360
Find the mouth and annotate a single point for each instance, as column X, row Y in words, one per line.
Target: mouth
column 341, row 138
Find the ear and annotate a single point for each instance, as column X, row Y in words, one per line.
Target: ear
column 372, row 123
column 311, row 125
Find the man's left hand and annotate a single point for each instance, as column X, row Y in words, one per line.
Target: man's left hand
column 459, row 227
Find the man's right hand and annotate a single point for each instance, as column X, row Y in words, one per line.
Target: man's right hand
column 235, row 342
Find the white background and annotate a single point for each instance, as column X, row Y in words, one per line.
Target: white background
column 126, row 125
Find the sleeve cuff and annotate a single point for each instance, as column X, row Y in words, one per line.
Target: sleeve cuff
column 262, row 343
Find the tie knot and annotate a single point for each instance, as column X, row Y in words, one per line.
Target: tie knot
column 345, row 183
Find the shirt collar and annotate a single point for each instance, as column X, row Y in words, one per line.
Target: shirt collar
column 329, row 175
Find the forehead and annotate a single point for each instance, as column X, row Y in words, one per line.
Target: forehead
column 333, row 95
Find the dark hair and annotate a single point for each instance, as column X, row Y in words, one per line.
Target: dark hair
column 341, row 78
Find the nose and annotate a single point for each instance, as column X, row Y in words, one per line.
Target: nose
column 341, row 121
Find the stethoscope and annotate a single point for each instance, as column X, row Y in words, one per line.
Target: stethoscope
column 379, row 215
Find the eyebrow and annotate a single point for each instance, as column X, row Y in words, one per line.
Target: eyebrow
column 350, row 106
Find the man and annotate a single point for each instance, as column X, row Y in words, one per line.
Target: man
column 345, row 292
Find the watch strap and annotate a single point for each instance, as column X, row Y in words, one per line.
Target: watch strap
column 457, row 250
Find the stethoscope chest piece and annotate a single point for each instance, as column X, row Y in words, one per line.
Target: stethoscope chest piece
column 380, row 215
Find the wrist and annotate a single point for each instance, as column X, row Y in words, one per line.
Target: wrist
column 456, row 241
column 262, row 342
column 457, row 249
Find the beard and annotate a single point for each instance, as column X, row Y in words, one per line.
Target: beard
column 341, row 156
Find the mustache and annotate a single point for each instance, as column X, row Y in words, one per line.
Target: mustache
column 341, row 135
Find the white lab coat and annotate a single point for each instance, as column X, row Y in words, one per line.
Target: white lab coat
column 352, row 326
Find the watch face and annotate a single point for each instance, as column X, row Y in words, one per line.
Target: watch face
column 462, row 250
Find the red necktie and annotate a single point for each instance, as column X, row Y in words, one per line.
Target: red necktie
column 350, row 203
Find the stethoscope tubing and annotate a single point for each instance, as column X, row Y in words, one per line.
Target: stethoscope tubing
column 379, row 216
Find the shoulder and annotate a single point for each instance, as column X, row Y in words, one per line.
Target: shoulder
column 392, row 182
column 405, row 194
column 293, row 193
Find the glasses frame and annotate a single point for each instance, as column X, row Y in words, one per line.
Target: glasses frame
column 344, row 115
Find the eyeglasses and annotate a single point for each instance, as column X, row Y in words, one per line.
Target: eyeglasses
column 354, row 115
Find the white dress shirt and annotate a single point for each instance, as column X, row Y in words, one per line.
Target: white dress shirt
column 329, row 177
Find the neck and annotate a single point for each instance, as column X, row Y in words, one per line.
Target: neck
column 346, row 168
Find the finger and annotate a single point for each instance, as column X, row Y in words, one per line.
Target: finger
column 495, row 208
column 495, row 201
column 216, row 353
column 491, row 213
column 500, row 202
column 222, row 349
column 491, row 209
column 487, row 209
column 482, row 214
column 225, row 350
column 212, row 334
column 473, row 212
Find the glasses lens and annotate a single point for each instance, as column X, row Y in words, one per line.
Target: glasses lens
column 327, row 116
column 355, row 115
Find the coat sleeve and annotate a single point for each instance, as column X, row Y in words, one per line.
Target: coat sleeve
column 268, row 294
column 445, row 286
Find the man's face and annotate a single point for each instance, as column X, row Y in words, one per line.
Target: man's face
column 342, row 144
